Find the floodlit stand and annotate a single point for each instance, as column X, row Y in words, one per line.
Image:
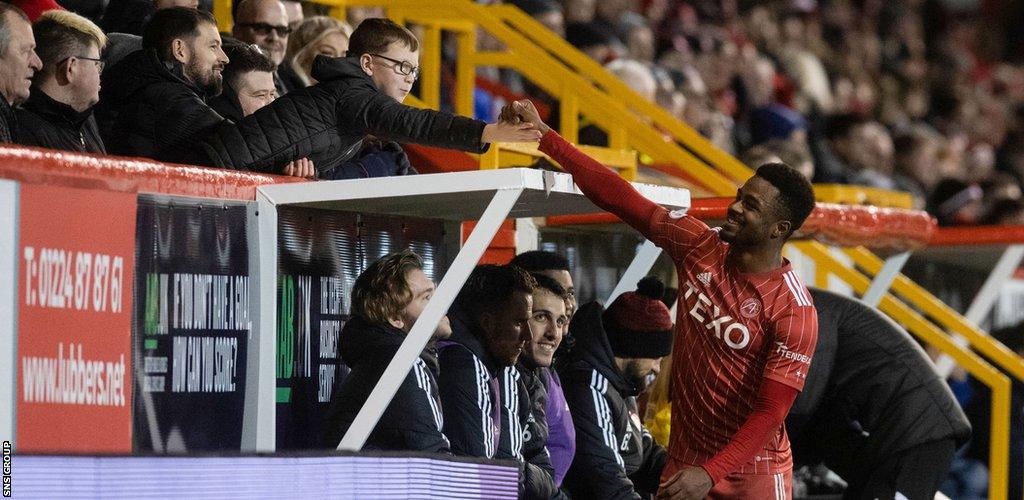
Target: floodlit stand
column 488, row 195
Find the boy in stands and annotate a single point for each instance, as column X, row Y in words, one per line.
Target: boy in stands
column 745, row 330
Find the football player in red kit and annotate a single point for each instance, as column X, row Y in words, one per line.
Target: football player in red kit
column 745, row 330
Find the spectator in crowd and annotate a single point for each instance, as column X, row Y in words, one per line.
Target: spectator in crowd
column 155, row 99
column 387, row 299
column 357, row 95
column 546, row 12
column 264, row 23
column 561, row 433
column 18, row 62
column 490, row 325
column 318, row 35
column 58, row 113
column 248, row 81
column 616, row 356
column 873, row 409
column 294, row 10
column 524, row 427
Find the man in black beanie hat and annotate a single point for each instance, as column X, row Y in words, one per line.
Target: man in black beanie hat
column 616, row 356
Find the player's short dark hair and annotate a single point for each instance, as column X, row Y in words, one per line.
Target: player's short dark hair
column 536, row 261
column 490, row 288
column 796, row 196
column 548, row 284
column 376, row 34
column 171, row 24
column 244, row 58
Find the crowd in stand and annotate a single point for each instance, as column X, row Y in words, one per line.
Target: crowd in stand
column 923, row 96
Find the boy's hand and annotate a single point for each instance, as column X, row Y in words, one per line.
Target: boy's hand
column 303, row 167
column 527, row 112
column 508, row 132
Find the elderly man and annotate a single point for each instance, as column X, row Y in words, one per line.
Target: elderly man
column 18, row 62
column 58, row 114
column 265, row 24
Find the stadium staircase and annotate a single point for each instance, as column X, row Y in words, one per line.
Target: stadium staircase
column 844, row 229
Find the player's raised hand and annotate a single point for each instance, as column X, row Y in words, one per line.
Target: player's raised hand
column 509, row 115
column 690, row 483
column 528, row 113
column 509, row 132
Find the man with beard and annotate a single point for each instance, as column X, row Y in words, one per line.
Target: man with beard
column 154, row 100
column 524, row 428
column 58, row 113
column 490, row 325
column 387, row 299
column 18, row 62
column 156, row 97
column 617, row 354
column 746, row 325
column 265, row 24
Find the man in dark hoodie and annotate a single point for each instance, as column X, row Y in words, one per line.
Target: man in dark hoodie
column 616, row 356
column 356, row 96
column 524, row 426
column 58, row 113
column 490, row 325
column 387, row 299
column 873, row 409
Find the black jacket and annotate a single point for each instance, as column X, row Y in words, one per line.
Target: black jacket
column 871, row 392
column 524, row 431
column 46, row 123
column 8, row 122
column 328, row 121
column 469, row 391
column 615, row 455
column 148, row 108
column 413, row 420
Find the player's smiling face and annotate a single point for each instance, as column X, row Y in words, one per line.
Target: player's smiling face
column 752, row 217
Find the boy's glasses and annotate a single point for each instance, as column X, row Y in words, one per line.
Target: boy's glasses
column 404, row 68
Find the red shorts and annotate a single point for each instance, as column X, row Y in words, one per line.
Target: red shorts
column 736, row 486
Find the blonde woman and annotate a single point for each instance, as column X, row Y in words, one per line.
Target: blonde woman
column 314, row 36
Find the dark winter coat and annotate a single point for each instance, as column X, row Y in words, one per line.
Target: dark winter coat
column 871, row 392
column 470, row 391
column 615, row 455
column 46, row 123
column 148, row 108
column 328, row 121
column 413, row 420
column 8, row 122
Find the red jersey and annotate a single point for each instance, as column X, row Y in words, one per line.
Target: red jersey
column 733, row 329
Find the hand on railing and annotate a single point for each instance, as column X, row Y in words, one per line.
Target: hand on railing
column 303, row 167
column 509, row 132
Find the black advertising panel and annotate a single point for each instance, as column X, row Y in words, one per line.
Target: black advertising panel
column 320, row 254
column 192, row 324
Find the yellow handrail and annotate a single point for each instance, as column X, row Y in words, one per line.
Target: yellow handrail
column 999, row 446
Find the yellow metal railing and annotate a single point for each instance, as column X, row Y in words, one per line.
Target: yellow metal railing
column 999, row 445
column 583, row 88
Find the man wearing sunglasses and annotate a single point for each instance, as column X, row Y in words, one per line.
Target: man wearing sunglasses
column 356, row 96
column 265, row 24
column 58, row 112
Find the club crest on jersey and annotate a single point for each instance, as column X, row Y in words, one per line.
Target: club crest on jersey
column 750, row 307
column 677, row 214
column 729, row 330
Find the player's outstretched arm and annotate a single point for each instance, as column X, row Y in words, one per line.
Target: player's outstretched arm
column 604, row 187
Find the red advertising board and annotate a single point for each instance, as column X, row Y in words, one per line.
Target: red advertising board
column 76, row 256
